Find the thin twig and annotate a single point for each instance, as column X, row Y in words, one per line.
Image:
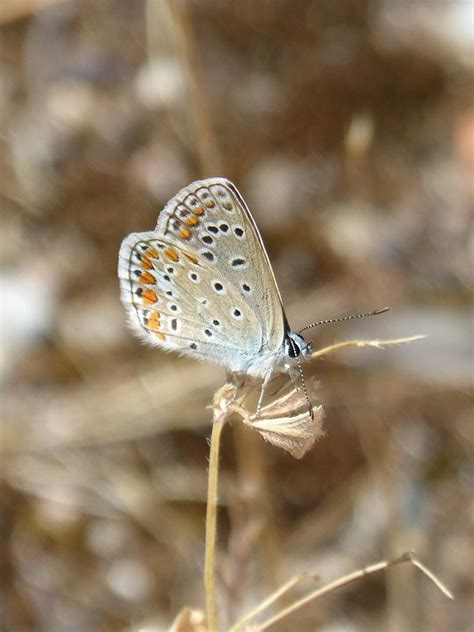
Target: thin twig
column 222, row 408
column 270, row 599
column 206, row 145
column 434, row 579
column 351, row 577
column 378, row 344
column 211, row 523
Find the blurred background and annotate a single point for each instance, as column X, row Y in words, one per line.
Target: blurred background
column 349, row 129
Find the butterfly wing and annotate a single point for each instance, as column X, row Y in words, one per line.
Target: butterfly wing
column 201, row 283
column 226, row 234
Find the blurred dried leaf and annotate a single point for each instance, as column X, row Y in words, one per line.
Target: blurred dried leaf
column 189, row 620
column 15, row 9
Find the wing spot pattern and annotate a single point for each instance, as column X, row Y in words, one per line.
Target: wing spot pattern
column 171, row 253
column 149, row 272
column 218, row 287
column 239, row 263
column 209, row 255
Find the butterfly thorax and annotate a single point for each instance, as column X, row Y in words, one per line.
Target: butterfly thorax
column 293, row 348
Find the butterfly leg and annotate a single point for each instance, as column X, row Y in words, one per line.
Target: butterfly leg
column 265, row 381
column 295, row 373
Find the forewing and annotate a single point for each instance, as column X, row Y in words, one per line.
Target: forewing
column 212, row 219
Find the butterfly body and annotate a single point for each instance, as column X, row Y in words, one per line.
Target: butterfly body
column 201, row 284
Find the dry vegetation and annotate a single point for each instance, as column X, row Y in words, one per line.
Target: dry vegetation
column 349, row 128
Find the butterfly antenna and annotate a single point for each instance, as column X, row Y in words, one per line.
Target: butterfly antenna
column 300, row 371
column 342, row 318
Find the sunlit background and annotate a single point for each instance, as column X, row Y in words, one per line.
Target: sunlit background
column 348, row 127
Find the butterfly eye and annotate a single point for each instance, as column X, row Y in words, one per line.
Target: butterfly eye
column 296, row 345
column 293, row 350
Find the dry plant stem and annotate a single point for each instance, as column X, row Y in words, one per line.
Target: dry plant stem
column 437, row 582
column 347, row 579
column 11, row 10
column 205, row 141
column 269, row 600
column 211, row 522
column 379, row 344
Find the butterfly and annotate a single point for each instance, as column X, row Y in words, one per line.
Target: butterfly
column 202, row 284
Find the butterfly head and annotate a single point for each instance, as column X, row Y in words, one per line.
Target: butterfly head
column 296, row 346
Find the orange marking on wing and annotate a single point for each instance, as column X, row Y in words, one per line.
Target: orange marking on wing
column 152, row 252
column 149, row 297
column 146, row 263
column 159, row 335
column 210, row 204
column 171, row 254
column 190, row 220
column 154, row 321
column 191, row 258
column 184, row 232
column 199, row 210
column 146, row 277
